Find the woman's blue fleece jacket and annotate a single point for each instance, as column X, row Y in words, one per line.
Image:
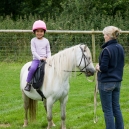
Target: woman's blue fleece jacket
column 111, row 62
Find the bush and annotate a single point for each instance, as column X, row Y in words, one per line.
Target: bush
column 16, row 46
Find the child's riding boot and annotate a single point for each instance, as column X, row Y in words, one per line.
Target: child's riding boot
column 27, row 87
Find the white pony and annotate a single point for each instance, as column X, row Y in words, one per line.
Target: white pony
column 56, row 81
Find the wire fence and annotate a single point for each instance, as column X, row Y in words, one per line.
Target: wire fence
column 15, row 44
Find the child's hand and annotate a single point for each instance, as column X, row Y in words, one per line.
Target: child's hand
column 44, row 58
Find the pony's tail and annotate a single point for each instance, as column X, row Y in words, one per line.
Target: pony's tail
column 32, row 109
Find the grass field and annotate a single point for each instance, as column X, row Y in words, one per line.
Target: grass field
column 79, row 109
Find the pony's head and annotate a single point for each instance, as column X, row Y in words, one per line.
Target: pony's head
column 84, row 60
column 68, row 59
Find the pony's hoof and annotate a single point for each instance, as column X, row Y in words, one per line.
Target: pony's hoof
column 53, row 125
column 25, row 123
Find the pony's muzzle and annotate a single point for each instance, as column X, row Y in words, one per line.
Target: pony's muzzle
column 90, row 72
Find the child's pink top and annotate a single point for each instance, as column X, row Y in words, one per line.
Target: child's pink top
column 40, row 48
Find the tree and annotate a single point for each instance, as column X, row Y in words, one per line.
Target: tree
column 111, row 7
column 10, row 7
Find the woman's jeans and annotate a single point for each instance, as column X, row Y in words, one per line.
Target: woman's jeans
column 34, row 66
column 109, row 95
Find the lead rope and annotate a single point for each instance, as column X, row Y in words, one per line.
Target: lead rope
column 90, row 80
column 95, row 98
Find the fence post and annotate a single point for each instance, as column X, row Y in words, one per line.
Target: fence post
column 93, row 45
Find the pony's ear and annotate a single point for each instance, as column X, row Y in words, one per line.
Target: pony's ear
column 85, row 47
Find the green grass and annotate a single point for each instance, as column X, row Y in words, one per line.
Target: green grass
column 80, row 105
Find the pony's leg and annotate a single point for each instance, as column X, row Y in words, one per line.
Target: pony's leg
column 49, row 113
column 63, row 111
column 26, row 107
column 45, row 106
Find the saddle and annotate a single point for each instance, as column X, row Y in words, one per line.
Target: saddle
column 38, row 78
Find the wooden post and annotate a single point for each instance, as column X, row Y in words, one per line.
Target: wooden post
column 93, row 45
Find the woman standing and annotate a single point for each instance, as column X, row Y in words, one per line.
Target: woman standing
column 110, row 73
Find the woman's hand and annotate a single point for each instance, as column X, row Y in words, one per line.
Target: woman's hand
column 97, row 67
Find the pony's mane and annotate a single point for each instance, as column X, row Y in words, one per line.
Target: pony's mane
column 64, row 60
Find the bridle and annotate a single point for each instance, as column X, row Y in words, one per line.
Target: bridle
column 86, row 64
column 85, row 60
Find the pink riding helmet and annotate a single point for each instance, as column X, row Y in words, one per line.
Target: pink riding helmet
column 39, row 25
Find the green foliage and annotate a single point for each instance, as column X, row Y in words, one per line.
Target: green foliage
column 61, row 15
column 52, row 8
column 16, row 46
column 10, row 7
column 16, row 9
